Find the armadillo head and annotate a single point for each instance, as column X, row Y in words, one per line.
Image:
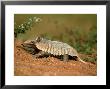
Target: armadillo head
column 32, row 42
column 28, row 43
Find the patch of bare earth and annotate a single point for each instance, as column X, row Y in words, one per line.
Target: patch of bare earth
column 26, row 65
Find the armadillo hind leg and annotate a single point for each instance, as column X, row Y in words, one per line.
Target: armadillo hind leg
column 65, row 57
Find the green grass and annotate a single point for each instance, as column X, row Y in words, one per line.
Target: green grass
column 78, row 30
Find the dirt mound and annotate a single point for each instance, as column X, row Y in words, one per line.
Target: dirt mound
column 26, row 65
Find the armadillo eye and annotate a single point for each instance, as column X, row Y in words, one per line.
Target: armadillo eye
column 32, row 42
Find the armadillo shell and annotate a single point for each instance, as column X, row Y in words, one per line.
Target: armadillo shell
column 56, row 48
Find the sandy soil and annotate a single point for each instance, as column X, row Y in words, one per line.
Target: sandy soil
column 26, row 65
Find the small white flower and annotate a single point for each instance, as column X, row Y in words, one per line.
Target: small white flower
column 22, row 27
column 35, row 18
column 38, row 20
column 28, row 23
column 30, row 19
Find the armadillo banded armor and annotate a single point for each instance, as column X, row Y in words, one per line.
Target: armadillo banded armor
column 55, row 47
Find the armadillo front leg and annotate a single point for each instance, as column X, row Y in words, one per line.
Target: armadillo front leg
column 40, row 54
column 65, row 57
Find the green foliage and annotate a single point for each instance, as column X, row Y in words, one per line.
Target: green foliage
column 27, row 25
column 90, row 59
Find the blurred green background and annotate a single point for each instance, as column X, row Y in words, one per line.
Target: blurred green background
column 78, row 30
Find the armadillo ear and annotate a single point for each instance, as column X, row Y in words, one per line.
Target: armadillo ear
column 38, row 39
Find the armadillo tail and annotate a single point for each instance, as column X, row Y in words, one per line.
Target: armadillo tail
column 79, row 59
